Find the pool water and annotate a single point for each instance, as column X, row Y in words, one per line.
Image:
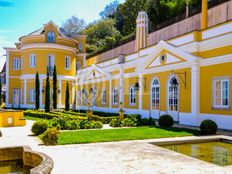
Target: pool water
column 219, row 152
column 13, row 167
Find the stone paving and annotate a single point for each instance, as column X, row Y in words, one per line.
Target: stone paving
column 133, row 157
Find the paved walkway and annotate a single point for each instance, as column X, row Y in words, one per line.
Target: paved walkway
column 133, row 157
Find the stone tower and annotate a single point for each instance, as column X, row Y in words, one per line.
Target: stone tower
column 141, row 30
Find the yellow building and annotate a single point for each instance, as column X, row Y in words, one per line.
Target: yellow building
column 187, row 76
column 45, row 47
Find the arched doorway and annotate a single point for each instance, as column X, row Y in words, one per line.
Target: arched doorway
column 155, row 98
column 173, row 97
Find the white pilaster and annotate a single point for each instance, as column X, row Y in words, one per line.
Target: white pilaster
column 25, row 93
column 7, row 78
column 73, row 95
column 140, row 93
column 60, row 94
column 121, row 99
column 41, row 93
column 110, row 94
column 195, row 95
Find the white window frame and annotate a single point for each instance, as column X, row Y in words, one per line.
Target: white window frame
column 221, row 80
column 51, row 62
column 50, row 37
column 115, row 96
column 103, row 96
column 32, row 95
column 67, row 62
column 132, row 96
column 174, row 95
column 16, row 63
column 155, row 94
column 32, row 61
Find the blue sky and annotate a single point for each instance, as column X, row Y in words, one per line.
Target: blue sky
column 20, row 17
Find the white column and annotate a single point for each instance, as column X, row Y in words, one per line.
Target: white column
column 121, row 84
column 73, row 95
column 60, row 94
column 25, row 93
column 140, row 93
column 7, row 79
column 41, row 93
column 110, row 94
column 195, row 95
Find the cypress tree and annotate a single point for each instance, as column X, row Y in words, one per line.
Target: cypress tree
column 47, row 93
column 54, row 88
column 67, row 97
column 37, row 91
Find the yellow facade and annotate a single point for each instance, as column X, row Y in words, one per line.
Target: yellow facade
column 12, row 118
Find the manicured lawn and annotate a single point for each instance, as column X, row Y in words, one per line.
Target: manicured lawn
column 33, row 118
column 139, row 133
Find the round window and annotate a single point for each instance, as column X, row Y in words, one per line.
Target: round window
column 162, row 58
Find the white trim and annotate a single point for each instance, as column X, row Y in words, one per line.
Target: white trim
column 140, row 93
column 43, row 76
column 25, row 92
column 182, row 40
column 103, row 97
column 48, row 46
column 16, row 64
column 134, row 96
column 110, row 94
column 114, row 94
column 151, row 86
column 216, row 60
column 7, row 77
column 32, row 61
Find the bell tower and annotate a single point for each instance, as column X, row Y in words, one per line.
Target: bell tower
column 141, row 30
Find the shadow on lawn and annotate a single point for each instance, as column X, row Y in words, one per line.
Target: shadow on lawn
column 177, row 129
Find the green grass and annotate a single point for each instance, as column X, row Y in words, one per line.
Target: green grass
column 33, row 118
column 139, row 133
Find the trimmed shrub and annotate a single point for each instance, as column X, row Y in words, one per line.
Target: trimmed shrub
column 208, row 127
column 166, row 121
column 59, row 123
column 50, row 136
column 128, row 122
column 72, row 125
column 39, row 127
column 96, row 125
column 136, row 118
column 115, row 123
column 147, row 121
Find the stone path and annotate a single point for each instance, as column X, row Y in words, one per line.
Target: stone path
column 133, row 157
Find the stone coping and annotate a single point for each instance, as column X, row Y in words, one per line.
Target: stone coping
column 40, row 162
column 10, row 110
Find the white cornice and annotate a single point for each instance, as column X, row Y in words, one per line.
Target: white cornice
column 48, row 46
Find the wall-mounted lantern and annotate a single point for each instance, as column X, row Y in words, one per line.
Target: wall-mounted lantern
column 59, row 91
column 83, row 91
column 137, row 86
column 180, row 75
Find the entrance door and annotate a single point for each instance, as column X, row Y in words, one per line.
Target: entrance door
column 15, row 102
column 173, row 98
column 155, row 99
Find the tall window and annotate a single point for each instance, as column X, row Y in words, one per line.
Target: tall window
column 155, row 94
column 32, row 61
column 115, row 96
column 103, row 96
column 94, row 96
column 173, row 94
column 50, row 37
column 16, row 63
column 32, row 95
column 51, row 63
column 85, row 98
column 221, row 93
column 132, row 96
column 67, row 62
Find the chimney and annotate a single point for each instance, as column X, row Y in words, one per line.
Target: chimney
column 141, row 31
column 204, row 14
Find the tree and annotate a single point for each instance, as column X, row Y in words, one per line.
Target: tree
column 47, row 93
column 101, row 34
column 54, row 88
column 37, row 91
column 109, row 10
column 67, row 97
column 74, row 24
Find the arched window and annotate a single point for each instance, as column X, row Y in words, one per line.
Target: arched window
column 50, row 37
column 155, row 94
column 173, row 94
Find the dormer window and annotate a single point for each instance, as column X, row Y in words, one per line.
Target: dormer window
column 50, row 37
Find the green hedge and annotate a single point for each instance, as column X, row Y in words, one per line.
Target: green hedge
column 99, row 113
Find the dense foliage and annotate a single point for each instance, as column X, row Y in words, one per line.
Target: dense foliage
column 39, row 127
column 37, row 91
column 50, row 136
column 166, row 121
column 47, row 93
column 208, row 127
column 54, row 95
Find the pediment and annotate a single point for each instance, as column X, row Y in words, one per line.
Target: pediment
column 94, row 74
column 163, row 58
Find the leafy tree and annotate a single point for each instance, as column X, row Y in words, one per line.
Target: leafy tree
column 101, row 34
column 109, row 10
column 74, row 24
column 47, row 93
column 67, row 105
column 37, row 91
column 54, row 88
